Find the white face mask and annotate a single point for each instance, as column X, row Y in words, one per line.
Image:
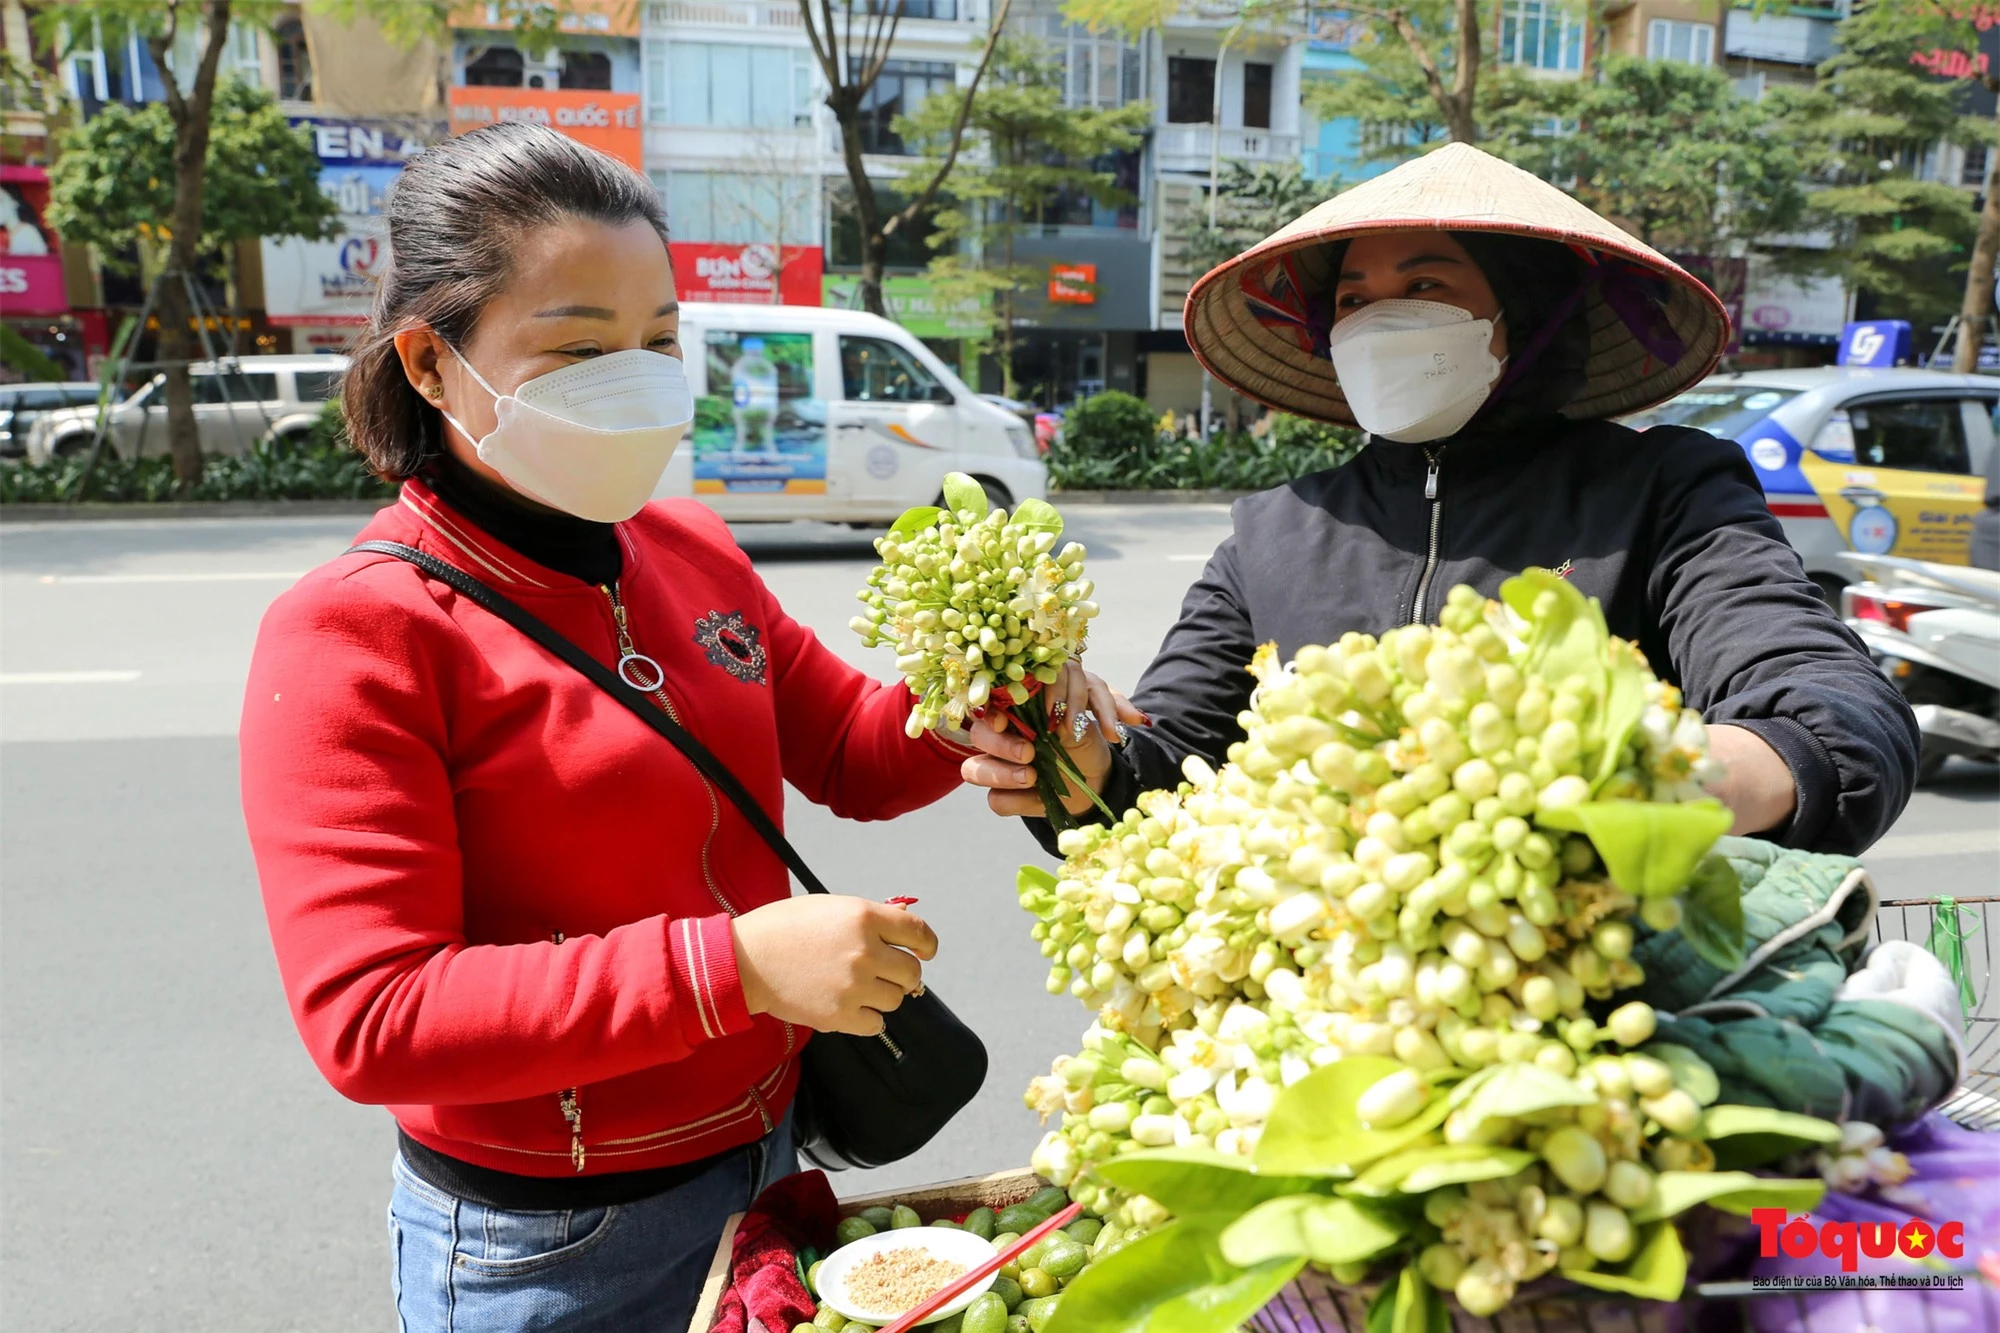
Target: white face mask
column 1413, row 371
column 591, row 439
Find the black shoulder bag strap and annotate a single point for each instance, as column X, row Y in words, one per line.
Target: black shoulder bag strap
column 925, row 1066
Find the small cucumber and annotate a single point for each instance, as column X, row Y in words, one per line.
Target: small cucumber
column 1049, row 1201
column 852, row 1229
column 987, row 1314
column 1084, row 1230
column 1037, row 1282
column 980, row 1223
column 878, row 1216
column 903, row 1217
column 1009, row 1291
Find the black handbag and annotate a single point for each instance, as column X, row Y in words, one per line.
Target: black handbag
column 862, row 1101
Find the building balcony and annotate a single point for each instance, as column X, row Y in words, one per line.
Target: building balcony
column 661, row 14
column 1190, row 147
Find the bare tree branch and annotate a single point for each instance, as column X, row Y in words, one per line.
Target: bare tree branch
column 922, row 201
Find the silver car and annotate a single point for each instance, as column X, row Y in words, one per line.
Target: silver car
column 21, row 405
column 236, row 404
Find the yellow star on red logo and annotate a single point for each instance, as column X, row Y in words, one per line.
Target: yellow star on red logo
column 1919, row 1240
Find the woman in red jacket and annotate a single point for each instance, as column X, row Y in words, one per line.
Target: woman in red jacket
column 502, row 906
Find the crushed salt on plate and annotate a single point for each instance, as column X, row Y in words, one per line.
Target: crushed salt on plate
column 894, row 1281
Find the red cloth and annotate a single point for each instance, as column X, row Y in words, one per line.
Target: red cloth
column 764, row 1286
column 500, row 903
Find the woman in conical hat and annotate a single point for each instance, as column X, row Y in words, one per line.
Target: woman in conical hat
column 1482, row 327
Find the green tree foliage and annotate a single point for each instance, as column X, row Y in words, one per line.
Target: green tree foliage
column 1255, row 200
column 1666, row 147
column 1027, row 149
column 113, row 186
column 1416, row 88
column 1863, row 130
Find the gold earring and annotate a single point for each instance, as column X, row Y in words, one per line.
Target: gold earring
column 435, row 391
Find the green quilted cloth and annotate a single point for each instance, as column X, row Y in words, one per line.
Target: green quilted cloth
column 1777, row 1031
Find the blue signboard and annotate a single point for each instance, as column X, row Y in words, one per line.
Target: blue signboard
column 1880, row 343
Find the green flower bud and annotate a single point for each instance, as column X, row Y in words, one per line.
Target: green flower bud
column 1562, row 1221
column 1484, row 1288
column 1631, row 1024
column 1628, row 1184
column 1442, row 1266
column 1661, row 914
column 1576, row 1158
column 1607, row 1233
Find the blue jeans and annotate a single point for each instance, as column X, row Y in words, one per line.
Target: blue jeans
column 461, row 1267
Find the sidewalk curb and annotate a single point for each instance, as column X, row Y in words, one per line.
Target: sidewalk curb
column 182, row 509
column 1147, row 497
column 178, row 509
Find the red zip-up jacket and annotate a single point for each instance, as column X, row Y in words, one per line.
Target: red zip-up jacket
column 500, row 902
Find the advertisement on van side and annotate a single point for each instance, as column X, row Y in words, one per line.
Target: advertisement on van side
column 760, row 426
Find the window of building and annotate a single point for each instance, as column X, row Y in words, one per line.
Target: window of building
column 909, row 247
column 1973, row 173
column 945, row 10
column 729, row 85
column 904, row 86
column 587, row 71
column 1190, row 90
column 1256, row 96
column 1540, row 34
column 739, row 207
column 1099, row 68
column 1921, row 435
column 873, row 370
column 295, row 71
column 1070, row 207
column 495, row 67
column 1689, row 43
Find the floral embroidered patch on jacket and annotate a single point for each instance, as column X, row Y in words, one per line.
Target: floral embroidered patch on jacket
column 731, row 643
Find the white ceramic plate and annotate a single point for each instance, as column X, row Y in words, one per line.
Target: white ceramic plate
column 958, row 1247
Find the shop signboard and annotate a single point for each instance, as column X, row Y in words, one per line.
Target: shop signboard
column 1793, row 308
column 608, row 122
column 331, row 283
column 1073, row 284
column 581, row 18
column 747, row 274
column 760, row 427
column 916, row 304
column 31, row 273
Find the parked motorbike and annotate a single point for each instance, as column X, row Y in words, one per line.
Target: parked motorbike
column 1935, row 631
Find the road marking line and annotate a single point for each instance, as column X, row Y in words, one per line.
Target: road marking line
column 67, row 677
column 1904, row 846
column 227, row 576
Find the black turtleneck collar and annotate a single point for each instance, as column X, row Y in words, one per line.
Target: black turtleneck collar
column 578, row 547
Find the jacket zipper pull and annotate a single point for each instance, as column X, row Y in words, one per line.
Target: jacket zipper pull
column 1431, row 476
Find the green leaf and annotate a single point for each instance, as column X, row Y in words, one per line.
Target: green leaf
column 1656, row 1272
column 1039, row 516
column 1650, row 849
column 962, row 492
column 1692, row 1074
column 1186, row 1181
column 1314, row 1130
column 1312, row 1226
column 1736, row 1192
column 917, row 519
column 1746, row 1136
column 1174, row 1280
column 1567, row 642
column 1515, row 1090
column 1712, row 914
column 1425, row 1169
column 1624, row 705
column 1408, row 1305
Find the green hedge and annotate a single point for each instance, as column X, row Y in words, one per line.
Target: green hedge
column 321, row 467
column 1111, row 442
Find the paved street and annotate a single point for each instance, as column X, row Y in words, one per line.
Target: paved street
column 171, row 1159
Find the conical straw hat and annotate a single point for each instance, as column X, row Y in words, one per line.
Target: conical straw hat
column 1259, row 321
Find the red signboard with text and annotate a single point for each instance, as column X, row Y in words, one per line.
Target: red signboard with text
column 31, row 272
column 608, row 122
column 747, row 274
column 1073, row 284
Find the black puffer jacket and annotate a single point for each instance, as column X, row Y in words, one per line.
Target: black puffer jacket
column 1668, row 530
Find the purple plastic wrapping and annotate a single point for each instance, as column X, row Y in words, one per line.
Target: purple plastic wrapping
column 1956, row 1178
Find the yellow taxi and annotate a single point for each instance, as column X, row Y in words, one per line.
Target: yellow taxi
column 1881, row 461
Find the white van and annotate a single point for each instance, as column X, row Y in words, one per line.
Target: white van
column 803, row 412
